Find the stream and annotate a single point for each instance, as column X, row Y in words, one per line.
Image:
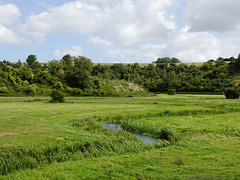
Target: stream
column 144, row 138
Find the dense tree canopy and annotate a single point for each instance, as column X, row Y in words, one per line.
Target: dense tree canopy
column 78, row 76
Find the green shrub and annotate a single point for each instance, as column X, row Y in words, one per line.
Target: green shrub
column 232, row 93
column 74, row 91
column 3, row 89
column 57, row 96
column 171, row 91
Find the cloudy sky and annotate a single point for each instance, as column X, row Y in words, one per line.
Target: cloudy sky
column 119, row 30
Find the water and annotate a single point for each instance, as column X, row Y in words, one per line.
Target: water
column 144, row 138
column 114, row 127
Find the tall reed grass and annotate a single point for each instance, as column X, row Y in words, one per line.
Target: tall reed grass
column 29, row 157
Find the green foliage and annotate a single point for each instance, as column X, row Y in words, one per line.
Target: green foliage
column 171, row 91
column 31, row 90
column 3, row 89
column 232, row 93
column 79, row 73
column 167, row 60
column 74, row 91
column 31, row 59
column 32, row 62
column 57, row 96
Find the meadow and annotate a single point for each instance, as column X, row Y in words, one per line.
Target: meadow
column 42, row 140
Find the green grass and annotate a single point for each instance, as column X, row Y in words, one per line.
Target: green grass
column 41, row 140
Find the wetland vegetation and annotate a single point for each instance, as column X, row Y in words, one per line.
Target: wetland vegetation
column 199, row 137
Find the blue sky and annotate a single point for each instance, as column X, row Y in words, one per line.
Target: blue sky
column 119, row 31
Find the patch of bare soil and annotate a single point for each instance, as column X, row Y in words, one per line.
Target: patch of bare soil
column 4, row 134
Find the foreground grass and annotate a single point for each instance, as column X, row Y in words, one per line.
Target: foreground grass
column 208, row 147
column 197, row 159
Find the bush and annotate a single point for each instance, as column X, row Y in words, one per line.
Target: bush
column 171, row 91
column 57, row 96
column 31, row 90
column 232, row 93
column 3, row 89
column 74, row 91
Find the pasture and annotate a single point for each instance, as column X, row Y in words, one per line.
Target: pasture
column 42, row 140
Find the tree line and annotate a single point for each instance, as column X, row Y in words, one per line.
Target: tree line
column 78, row 76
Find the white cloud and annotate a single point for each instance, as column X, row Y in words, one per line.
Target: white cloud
column 9, row 14
column 8, row 36
column 73, row 51
column 194, row 47
column 100, row 42
column 188, row 47
column 133, row 30
column 213, row 15
column 127, row 21
column 73, row 17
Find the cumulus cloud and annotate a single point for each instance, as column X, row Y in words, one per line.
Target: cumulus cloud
column 73, row 51
column 213, row 15
column 187, row 46
column 133, row 30
column 194, row 46
column 9, row 14
column 8, row 36
column 124, row 21
column 100, row 42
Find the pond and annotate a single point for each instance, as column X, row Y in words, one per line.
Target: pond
column 144, row 138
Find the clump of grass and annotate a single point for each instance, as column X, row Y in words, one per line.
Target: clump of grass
column 168, row 134
column 179, row 161
column 88, row 124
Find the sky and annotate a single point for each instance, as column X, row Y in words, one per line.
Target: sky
column 119, row 31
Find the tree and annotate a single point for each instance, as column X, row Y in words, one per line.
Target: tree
column 67, row 62
column 32, row 61
column 163, row 60
column 79, row 75
column 167, row 60
column 175, row 60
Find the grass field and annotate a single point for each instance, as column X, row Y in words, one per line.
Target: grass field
column 41, row 140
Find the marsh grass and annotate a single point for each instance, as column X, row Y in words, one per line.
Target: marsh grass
column 30, row 157
column 164, row 133
column 40, row 140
